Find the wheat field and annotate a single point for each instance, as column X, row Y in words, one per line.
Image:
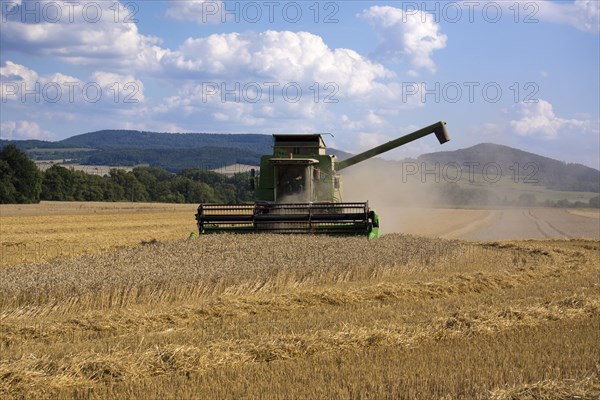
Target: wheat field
column 280, row 317
column 41, row 232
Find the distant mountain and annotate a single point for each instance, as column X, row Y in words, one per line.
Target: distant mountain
column 31, row 144
column 109, row 139
column 127, row 139
column 174, row 160
column 127, row 147
column 522, row 165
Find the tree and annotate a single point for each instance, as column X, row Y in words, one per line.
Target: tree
column 241, row 181
column 56, row 184
column 7, row 189
column 133, row 190
column 202, row 175
column 23, row 174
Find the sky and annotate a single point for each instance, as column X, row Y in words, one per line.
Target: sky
column 519, row 73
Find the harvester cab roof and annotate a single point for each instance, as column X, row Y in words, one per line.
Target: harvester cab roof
column 298, row 144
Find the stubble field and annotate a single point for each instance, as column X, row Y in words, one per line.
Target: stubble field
column 403, row 316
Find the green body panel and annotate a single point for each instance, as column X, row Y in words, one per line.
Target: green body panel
column 374, row 233
column 266, row 180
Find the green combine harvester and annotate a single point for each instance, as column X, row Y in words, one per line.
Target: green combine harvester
column 299, row 191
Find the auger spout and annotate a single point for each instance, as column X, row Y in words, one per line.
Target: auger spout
column 439, row 128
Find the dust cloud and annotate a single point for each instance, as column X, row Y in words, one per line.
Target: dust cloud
column 426, row 204
column 391, row 190
column 388, row 184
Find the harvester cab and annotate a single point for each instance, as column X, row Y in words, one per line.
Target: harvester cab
column 299, row 191
column 299, row 171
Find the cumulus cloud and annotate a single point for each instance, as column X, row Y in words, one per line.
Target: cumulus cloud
column 19, row 83
column 581, row 14
column 276, row 56
column 125, row 85
column 539, row 119
column 11, row 71
column 271, row 57
column 21, row 130
column 79, row 33
column 371, row 121
column 270, row 78
column 225, row 112
column 405, row 36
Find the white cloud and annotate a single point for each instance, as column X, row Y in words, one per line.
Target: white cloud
column 370, row 123
column 11, row 71
column 373, row 118
column 271, row 57
column 129, row 88
column 225, row 112
column 581, row 14
column 276, row 56
column 539, row 119
column 75, row 36
column 19, row 83
column 21, row 130
column 369, row 140
column 220, row 74
column 411, row 36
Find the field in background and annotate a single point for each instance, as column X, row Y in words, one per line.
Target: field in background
column 493, row 223
column 273, row 316
column 100, row 170
column 39, row 232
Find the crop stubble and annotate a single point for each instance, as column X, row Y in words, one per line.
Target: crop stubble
column 41, row 232
column 306, row 317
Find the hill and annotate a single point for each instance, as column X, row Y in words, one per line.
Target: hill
column 114, row 139
column 172, row 151
column 520, row 166
column 128, row 139
column 174, row 160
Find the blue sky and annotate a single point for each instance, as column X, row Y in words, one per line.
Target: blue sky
column 520, row 73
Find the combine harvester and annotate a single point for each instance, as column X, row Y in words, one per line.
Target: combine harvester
column 299, row 191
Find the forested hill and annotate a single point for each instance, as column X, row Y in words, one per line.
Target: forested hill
column 548, row 172
column 173, row 160
column 127, row 139
column 172, row 151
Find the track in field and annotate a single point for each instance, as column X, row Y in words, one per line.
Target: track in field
column 503, row 224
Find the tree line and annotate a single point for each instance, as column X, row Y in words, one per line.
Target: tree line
column 22, row 182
